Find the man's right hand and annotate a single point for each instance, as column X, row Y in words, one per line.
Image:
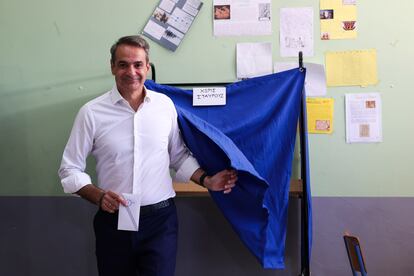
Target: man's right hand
column 110, row 201
column 106, row 200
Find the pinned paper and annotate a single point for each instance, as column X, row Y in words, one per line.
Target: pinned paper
column 170, row 22
column 128, row 218
column 348, row 68
column 338, row 19
column 315, row 81
column 209, row 96
column 320, row 115
column 296, row 31
column 254, row 59
column 239, row 17
column 363, row 118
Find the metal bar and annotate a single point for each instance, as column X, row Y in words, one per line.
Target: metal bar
column 304, row 173
column 153, row 74
column 360, row 261
column 305, row 254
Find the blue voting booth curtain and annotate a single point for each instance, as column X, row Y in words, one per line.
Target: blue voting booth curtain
column 255, row 134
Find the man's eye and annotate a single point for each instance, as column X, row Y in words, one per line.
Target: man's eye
column 138, row 65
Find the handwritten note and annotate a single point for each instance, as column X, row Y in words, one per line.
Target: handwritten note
column 209, row 96
column 296, row 31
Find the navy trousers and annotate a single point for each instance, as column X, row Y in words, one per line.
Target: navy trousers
column 149, row 252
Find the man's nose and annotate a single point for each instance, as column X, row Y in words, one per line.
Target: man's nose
column 131, row 70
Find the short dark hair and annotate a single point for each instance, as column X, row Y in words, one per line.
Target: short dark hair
column 132, row 40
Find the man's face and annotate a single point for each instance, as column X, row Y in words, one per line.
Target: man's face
column 130, row 68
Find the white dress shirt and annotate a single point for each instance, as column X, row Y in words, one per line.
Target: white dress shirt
column 133, row 150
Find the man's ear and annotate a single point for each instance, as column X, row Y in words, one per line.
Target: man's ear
column 112, row 67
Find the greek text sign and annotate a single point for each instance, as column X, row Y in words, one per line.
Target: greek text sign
column 209, row 96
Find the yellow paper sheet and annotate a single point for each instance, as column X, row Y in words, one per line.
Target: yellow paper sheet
column 320, row 115
column 358, row 67
column 338, row 20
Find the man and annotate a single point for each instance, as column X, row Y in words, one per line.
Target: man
column 133, row 134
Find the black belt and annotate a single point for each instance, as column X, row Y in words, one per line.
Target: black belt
column 148, row 209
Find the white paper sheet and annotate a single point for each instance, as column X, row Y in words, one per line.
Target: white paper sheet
column 190, row 9
column 315, row 80
column 128, row 218
column 363, row 118
column 180, row 20
column 242, row 17
column 209, row 96
column 254, row 59
column 167, row 5
column 194, row 3
column 155, row 30
column 349, row 2
column 296, row 31
column 173, row 35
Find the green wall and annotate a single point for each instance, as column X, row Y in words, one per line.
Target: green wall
column 55, row 56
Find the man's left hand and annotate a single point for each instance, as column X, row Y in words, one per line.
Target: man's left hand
column 224, row 180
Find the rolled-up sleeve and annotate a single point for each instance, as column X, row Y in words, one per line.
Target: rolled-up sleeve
column 181, row 159
column 72, row 168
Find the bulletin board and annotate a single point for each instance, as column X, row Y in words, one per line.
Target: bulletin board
column 56, row 59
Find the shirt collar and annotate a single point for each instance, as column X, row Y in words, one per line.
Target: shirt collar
column 116, row 96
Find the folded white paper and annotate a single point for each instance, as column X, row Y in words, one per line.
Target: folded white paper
column 315, row 80
column 128, row 218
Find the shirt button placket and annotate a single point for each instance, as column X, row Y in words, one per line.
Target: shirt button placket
column 136, row 189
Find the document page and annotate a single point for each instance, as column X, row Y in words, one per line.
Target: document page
column 363, row 118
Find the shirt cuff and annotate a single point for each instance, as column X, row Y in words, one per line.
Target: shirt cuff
column 184, row 173
column 75, row 182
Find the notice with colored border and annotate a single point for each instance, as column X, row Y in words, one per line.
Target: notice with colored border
column 170, row 21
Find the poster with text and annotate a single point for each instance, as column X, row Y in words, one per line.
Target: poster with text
column 242, row 17
column 338, row 19
column 170, row 21
column 363, row 118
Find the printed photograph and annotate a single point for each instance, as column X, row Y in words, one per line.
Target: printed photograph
column 369, row 104
column 322, row 125
column 221, row 12
column 160, row 15
column 173, row 35
column 326, row 14
column 348, row 25
column 264, row 11
column 325, row 36
column 364, row 130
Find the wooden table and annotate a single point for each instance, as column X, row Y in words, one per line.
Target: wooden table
column 192, row 189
